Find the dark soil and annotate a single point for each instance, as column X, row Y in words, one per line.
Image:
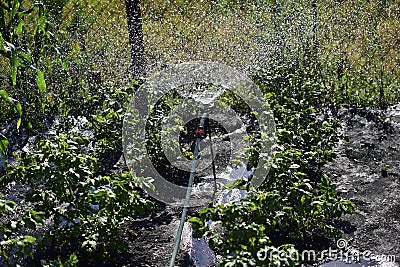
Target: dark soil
column 367, row 172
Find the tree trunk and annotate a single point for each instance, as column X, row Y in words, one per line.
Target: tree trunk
column 134, row 18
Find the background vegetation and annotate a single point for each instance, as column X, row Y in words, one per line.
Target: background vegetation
column 68, row 59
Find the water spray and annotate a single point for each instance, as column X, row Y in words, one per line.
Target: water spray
column 215, row 80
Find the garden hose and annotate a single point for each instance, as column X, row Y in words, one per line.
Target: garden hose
column 200, row 133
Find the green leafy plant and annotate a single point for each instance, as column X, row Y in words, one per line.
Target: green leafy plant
column 72, row 261
column 12, row 106
column 3, row 144
column 109, row 106
column 23, row 39
column 86, row 209
column 13, row 243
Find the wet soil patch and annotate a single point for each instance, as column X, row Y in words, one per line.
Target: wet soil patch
column 367, row 172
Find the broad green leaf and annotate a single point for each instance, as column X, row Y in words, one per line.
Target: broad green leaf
column 18, row 109
column 19, row 123
column 15, row 8
column 71, row 262
column 3, row 144
column 37, row 216
column 40, row 81
column 7, row 206
column 63, row 64
column 19, row 27
column 2, row 41
column 4, row 95
column 195, row 221
column 41, row 26
column 2, row 26
column 15, row 65
column 26, row 56
column 29, row 239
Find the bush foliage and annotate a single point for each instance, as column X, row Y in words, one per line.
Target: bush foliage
column 68, row 60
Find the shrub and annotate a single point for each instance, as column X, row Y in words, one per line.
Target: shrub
column 14, row 243
column 24, row 37
column 86, row 209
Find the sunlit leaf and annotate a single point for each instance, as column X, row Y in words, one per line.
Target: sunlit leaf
column 29, row 239
column 18, row 109
column 2, row 41
column 26, row 56
column 40, row 81
column 4, row 96
column 15, row 64
column 19, row 123
column 3, row 144
column 19, row 27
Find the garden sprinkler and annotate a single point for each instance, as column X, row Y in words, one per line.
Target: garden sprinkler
column 208, row 101
column 200, row 133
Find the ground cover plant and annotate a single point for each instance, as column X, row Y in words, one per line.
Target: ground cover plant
column 65, row 84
